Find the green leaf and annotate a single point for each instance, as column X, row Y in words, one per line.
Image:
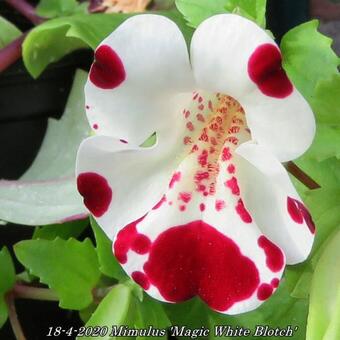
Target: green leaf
column 308, row 57
column 196, row 11
column 7, row 281
column 280, row 310
column 63, row 231
column 108, row 264
column 57, row 8
column 55, row 38
column 116, row 309
column 8, row 32
column 70, row 268
column 151, row 312
column 255, row 9
column 47, row 192
column 324, row 310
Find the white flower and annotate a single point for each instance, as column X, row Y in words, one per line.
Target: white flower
column 208, row 210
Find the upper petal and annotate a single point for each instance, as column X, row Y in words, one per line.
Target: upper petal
column 274, row 203
column 137, row 70
column 232, row 55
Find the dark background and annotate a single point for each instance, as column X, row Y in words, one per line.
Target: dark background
column 26, row 104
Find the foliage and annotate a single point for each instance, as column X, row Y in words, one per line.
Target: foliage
column 7, row 281
column 196, row 11
column 8, row 32
column 46, row 193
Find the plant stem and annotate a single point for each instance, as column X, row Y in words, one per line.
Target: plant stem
column 28, row 292
column 11, row 53
column 13, row 318
column 27, row 10
column 302, row 176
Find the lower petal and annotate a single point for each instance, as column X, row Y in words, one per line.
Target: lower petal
column 274, row 203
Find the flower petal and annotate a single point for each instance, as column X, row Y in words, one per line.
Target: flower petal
column 274, row 203
column 119, row 181
column 200, row 239
column 232, row 55
column 137, row 71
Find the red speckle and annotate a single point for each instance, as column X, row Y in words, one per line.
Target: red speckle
column 202, row 207
column 213, row 141
column 200, row 117
column 231, row 168
column 187, row 140
column 187, row 114
column 87, row 107
column 201, row 107
column 264, row 292
column 205, row 194
column 275, row 283
column 182, row 208
column 96, row 192
column 160, row 203
column 226, row 154
column 195, row 96
column 200, row 99
column 175, row 178
column 219, row 205
column 233, row 186
column 266, row 71
column 234, row 129
column 196, row 259
column 128, row 238
column 201, row 175
column 95, row 126
column 210, row 105
column 141, row 279
column 299, row 213
column 123, row 141
column 184, row 196
column 274, row 255
column 107, row 71
column 242, row 211
column 203, row 158
column 190, row 126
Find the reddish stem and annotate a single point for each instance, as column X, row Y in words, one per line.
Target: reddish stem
column 302, row 176
column 27, row 10
column 13, row 318
column 11, row 53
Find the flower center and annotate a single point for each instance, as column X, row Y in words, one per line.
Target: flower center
column 216, row 125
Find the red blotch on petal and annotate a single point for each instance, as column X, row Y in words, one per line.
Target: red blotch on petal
column 141, row 279
column 299, row 213
column 184, row 196
column 266, row 71
column 107, row 71
column 219, row 205
column 160, row 203
column 129, row 238
column 275, row 283
column 274, row 255
column 96, row 192
column 196, row 259
column 202, row 207
column 242, row 211
column 233, row 186
column 264, row 292
column 175, row 178
column 226, row 154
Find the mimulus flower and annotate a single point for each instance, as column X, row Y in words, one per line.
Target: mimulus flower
column 209, row 210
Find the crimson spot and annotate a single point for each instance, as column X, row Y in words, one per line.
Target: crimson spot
column 129, row 238
column 274, row 255
column 265, row 70
column 107, row 70
column 195, row 259
column 264, row 292
column 96, row 192
column 299, row 213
